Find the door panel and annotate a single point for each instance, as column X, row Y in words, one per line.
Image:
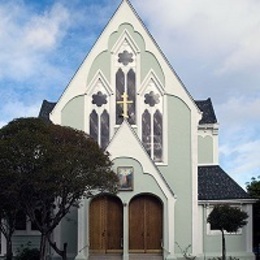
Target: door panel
column 154, row 224
column 145, row 227
column 106, row 225
column 136, row 225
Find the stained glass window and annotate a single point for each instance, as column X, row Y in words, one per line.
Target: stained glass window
column 146, row 131
column 120, row 88
column 157, row 125
column 152, row 99
column 99, row 99
column 131, row 95
column 104, row 129
column 125, row 57
column 93, row 125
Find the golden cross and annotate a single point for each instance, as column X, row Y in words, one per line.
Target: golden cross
column 125, row 102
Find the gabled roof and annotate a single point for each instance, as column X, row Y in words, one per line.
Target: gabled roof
column 208, row 114
column 216, row 184
column 125, row 143
column 45, row 110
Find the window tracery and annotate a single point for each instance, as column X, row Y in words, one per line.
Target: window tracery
column 126, row 83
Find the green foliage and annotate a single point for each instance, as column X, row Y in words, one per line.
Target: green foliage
column 51, row 167
column 220, row 258
column 27, row 253
column 185, row 252
column 224, row 217
column 253, row 188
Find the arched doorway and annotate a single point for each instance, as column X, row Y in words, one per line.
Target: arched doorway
column 106, row 225
column 145, row 224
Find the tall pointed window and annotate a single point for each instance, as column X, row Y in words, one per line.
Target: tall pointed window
column 125, row 85
column 152, row 126
column 99, row 119
column 157, row 136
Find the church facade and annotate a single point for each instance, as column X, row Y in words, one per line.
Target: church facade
column 164, row 148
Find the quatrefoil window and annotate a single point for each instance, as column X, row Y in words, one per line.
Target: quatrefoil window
column 125, row 57
column 99, row 99
column 152, row 99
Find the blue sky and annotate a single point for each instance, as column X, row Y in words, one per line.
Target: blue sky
column 214, row 46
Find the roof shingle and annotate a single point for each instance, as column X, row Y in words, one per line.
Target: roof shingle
column 216, row 184
column 206, row 107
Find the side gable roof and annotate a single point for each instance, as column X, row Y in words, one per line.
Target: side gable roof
column 208, row 114
column 216, row 184
column 46, row 109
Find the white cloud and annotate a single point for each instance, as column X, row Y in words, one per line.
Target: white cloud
column 239, row 112
column 27, row 38
column 223, row 31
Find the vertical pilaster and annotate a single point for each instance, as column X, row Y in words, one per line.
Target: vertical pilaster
column 125, row 231
column 83, row 248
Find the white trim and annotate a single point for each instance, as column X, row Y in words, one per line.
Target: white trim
column 82, row 230
column 151, row 76
column 125, row 36
column 234, row 201
column 99, row 76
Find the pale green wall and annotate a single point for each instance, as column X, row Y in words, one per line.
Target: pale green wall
column 148, row 60
column 205, row 147
column 101, row 62
column 73, row 113
column 69, row 231
column 178, row 172
column 143, row 182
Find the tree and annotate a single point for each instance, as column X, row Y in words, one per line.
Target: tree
column 9, row 208
column 253, row 188
column 226, row 218
column 53, row 168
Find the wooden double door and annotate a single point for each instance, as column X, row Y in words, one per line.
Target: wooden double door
column 106, row 225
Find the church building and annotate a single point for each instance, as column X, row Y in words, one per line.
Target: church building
column 164, row 148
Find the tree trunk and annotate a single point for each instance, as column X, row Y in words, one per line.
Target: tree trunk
column 62, row 253
column 223, row 245
column 43, row 245
column 9, row 249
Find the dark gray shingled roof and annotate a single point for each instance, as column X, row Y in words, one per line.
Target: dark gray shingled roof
column 215, row 184
column 208, row 116
column 45, row 110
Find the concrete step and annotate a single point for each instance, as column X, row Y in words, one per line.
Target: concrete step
column 105, row 257
column 145, row 256
column 131, row 257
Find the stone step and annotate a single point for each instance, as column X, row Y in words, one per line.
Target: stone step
column 105, row 257
column 145, row 256
column 131, row 257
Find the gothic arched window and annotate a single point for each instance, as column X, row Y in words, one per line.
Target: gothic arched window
column 146, row 131
column 93, row 118
column 120, row 88
column 126, row 84
column 157, row 136
column 152, row 125
column 104, row 129
column 99, row 119
column 131, row 95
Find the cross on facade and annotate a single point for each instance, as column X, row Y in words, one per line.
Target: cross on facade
column 125, row 102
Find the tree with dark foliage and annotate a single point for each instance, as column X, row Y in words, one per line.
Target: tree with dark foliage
column 227, row 218
column 253, row 188
column 53, row 168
